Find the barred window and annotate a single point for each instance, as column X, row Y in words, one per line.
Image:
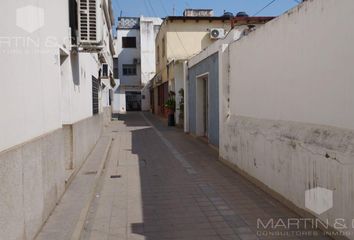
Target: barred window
column 115, row 68
column 129, row 42
column 129, row 69
column 95, row 89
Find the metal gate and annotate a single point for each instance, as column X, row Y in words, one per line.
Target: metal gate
column 133, row 101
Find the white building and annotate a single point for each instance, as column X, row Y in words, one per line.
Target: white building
column 135, row 57
column 52, row 100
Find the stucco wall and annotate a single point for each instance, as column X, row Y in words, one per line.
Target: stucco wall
column 286, row 104
column 32, row 175
column 41, row 90
column 32, row 179
column 76, row 85
column 148, row 30
column 127, row 55
column 183, row 39
column 31, row 68
column 209, row 65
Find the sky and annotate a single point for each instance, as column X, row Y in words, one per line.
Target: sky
column 162, row 8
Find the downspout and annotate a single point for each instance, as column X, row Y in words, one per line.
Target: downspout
column 186, row 93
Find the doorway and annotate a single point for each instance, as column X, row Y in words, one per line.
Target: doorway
column 202, row 105
column 133, row 101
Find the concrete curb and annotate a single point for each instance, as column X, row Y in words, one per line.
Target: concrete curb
column 81, row 222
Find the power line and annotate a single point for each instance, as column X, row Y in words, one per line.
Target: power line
column 168, row 46
column 117, row 3
column 179, row 39
column 153, row 10
column 147, row 8
column 163, row 7
column 270, row 3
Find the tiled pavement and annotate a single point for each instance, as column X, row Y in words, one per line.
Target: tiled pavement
column 167, row 185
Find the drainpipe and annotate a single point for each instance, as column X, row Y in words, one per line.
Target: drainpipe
column 186, row 90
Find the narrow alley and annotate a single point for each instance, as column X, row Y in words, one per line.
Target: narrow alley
column 159, row 183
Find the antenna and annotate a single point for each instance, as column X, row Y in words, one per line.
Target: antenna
column 121, row 13
column 173, row 10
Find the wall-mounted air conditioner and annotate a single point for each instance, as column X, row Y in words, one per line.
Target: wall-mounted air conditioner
column 217, row 33
column 89, row 23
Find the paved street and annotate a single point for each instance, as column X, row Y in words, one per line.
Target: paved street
column 162, row 184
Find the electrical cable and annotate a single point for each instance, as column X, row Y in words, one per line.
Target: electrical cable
column 270, row 3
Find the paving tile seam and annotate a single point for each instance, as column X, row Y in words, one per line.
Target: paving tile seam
column 177, row 155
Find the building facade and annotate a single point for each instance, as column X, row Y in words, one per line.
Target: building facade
column 179, row 38
column 135, row 54
column 52, row 109
column 202, row 83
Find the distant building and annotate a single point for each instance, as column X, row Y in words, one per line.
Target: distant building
column 134, row 62
column 179, row 38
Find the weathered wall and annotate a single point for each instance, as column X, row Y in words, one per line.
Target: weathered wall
column 209, row 66
column 148, row 30
column 286, row 105
column 32, row 179
column 107, row 115
column 32, row 176
column 85, row 135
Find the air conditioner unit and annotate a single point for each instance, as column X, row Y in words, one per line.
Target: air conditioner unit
column 217, row 33
column 89, row 22
column 136, row 61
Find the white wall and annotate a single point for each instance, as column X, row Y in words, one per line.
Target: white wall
column 77, row 71
column 119, row 102
column 289, row 121
column 30, row 93
column 148, row 30
column 305, row 67
column 127, row 55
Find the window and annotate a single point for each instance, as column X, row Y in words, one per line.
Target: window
column 129, row 42
column 115, row 68
column 129, row 69
column 95, row 88
column 105, row 70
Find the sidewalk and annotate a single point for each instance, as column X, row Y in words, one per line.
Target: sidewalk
column 66, row 217
column 162, row 184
